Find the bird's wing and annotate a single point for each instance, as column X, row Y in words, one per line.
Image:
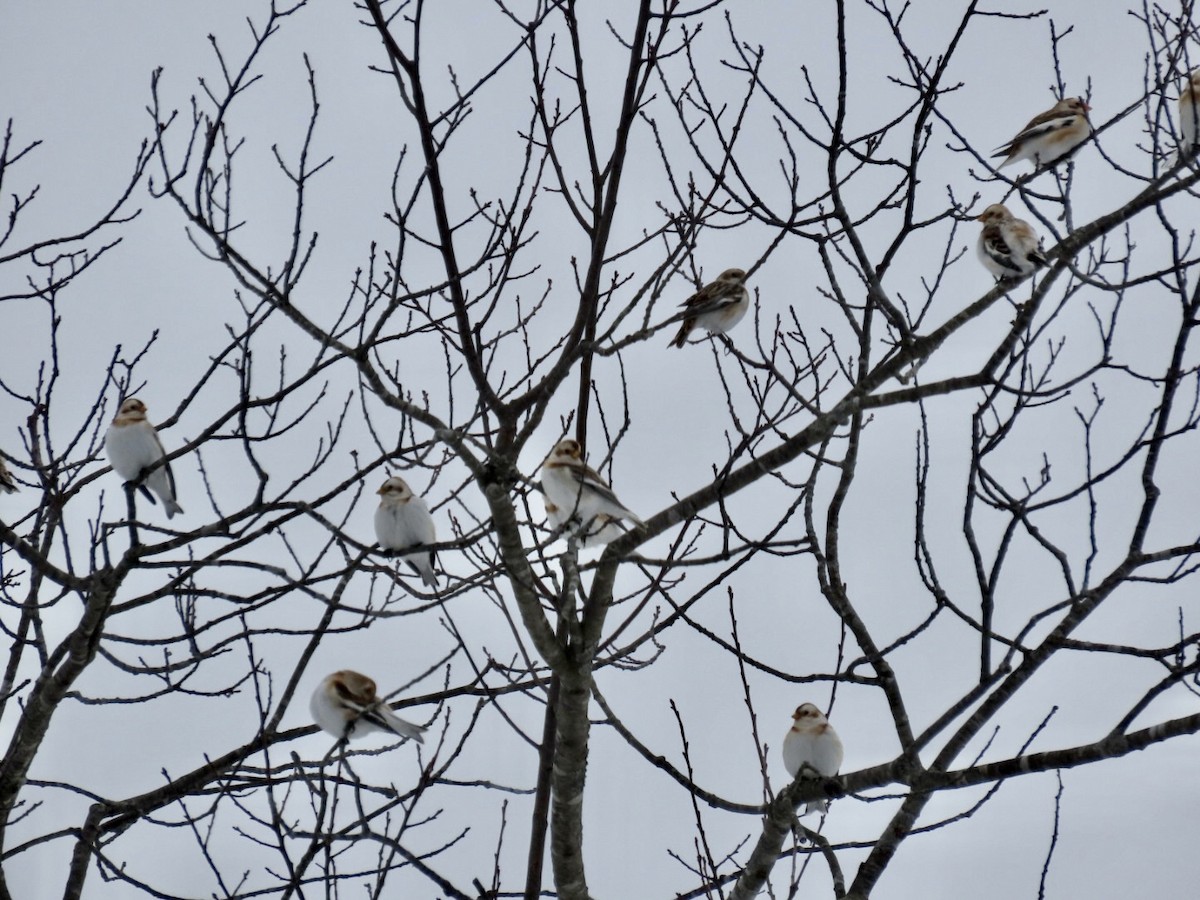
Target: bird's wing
column 171, row 480
column 162, row 454
column 716, row 302
column 1030, row 243
column 588, row 478
column 375, row 716
column 1040, row 126
column 699, row 298
column 997, row 248
column 402, row 727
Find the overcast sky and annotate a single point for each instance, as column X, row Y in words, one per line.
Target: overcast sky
column 76, row 76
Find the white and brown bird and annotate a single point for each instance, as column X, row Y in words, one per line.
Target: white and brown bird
column 1189, row 113
column 579, row 495
column 345, row 705
column 402, row 521
column 716, row 307
column 8, row 484
column 133, row 447
column 812, row 748
column 1049, row 137
column 1008, row 246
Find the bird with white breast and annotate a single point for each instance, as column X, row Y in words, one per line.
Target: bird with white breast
column 716, row 307
column 578, row 495
column 1008, row 246
column 134, row 448
column 812, row 748
column 1050, row 137
column 402, row 522
column 345, row 705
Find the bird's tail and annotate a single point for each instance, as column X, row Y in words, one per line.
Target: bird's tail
column 681, row 335
column 402, row 727
column 172, row 507
column 422, row 564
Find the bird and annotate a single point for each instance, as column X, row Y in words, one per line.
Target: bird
column 8, row 484
column 716, row 307
column 402, row 521
column 1189, row 113
column 578, row 494
column 1008, row 246
column 133, row 446
column 1051, row 136
column 344, row 705
column 812, row 746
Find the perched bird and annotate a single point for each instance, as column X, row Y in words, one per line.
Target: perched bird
column 1007, row 245
column 1189, row 113
column 7, row 484
column 812, row 748
column 716, row 307
column 1051, row 136
column 403, row 521
column 133, row 446
column 344, row 704
column 578, row 494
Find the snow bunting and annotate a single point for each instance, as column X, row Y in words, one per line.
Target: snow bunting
column 345, row 705
column 8, row 484
column 578, row 494
column 1051, row 136
column 133, row 446
column 1007, row 245
column 1189, row 113
column 716, row 307
column 403, row 521
column 812, row 748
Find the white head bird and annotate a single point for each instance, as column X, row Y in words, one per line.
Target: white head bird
column 1008, row 246
column 580, row 495
column 133, row 446
column 812, row 748
column 1050, row 137
column 8, row 484
column 344, row 705
column 402, row 521
column 716, row 307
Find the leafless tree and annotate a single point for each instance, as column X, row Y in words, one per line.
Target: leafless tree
column 898, row 489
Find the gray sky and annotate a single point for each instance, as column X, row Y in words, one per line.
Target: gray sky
column 76, row 75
